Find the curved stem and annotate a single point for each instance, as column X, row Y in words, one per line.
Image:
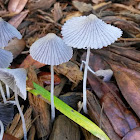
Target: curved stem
column 85, row 81
column 1, row 130
column 52, row 93
column 22, row 116
column 2, row 93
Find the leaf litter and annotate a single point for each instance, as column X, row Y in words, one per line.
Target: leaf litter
column 112, row 105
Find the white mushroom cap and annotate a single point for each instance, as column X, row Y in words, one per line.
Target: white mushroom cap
column 7, row 32
column 89, row 31
column 15, row 79
column 6, row 57
column 51, row 50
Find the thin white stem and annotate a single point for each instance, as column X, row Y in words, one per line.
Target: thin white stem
column 7, row 91
column 84, row 62
column 22, row 116
column 52, row 95
column 2, row 93
column 85, row 81
column 1, row 130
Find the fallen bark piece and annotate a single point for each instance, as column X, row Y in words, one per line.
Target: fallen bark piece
column 128, row 81
column 97, row 115
column 40, row 4
column 133, row 134
column 57, row 12
column 119, row 59
column 16, row 6
column 64, row 129
column 71, row 71
column 32, row 133
column 72, row 99
column 16, row 20
column 40, row 108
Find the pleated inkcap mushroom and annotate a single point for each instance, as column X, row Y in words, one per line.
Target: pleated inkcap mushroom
column 51, row 50
column 6, row 57
column 7, row 32
column 15, row 79
column 89, row 31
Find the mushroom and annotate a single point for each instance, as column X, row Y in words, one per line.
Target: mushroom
column 7, row 32
column 88, row 32
column 1, row 130
column 6, row 58
column 106, row 74
column 51, row 50
column 16, row 80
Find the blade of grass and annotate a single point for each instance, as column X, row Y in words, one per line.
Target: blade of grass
column 70, row 113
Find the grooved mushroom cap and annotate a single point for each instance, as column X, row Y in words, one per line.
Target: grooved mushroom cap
column 7, row 32
column 15, row 79
column 51, row 50
column 89, row 31
column 6, row 57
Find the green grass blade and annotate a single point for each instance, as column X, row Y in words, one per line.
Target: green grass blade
column 70, row 113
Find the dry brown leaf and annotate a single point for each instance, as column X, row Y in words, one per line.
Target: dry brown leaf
column 133, row 134
column 82, row 7
column 29, row 61
column 9, row 137
column 128, row 26
column 128, row 81
column 70, row 15
column 16, row 46
column 71, row 71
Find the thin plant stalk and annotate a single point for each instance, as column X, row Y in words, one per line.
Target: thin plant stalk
column 85, row 81
column 2, row 93
column 22, row 116
column 7, row 91
column 1, row 130
column 52, row 93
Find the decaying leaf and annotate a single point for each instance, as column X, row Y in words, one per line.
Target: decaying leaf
column 71, row 71
column 16, row 46
column 29, row 61
column 128, row 26
column 133, row 134
column 70, row 15
column 128, row 81
column 9, row 137
column 45, row 77
column 82, row 7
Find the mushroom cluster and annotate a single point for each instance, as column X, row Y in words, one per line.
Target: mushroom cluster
column 15, row 79
column 84, row 32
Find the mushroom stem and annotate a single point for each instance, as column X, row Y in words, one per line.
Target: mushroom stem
column 7, row 91
column 85, row 81
column 2, row 93
column 52, row 93
column 1, row 130
column 22, row 116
